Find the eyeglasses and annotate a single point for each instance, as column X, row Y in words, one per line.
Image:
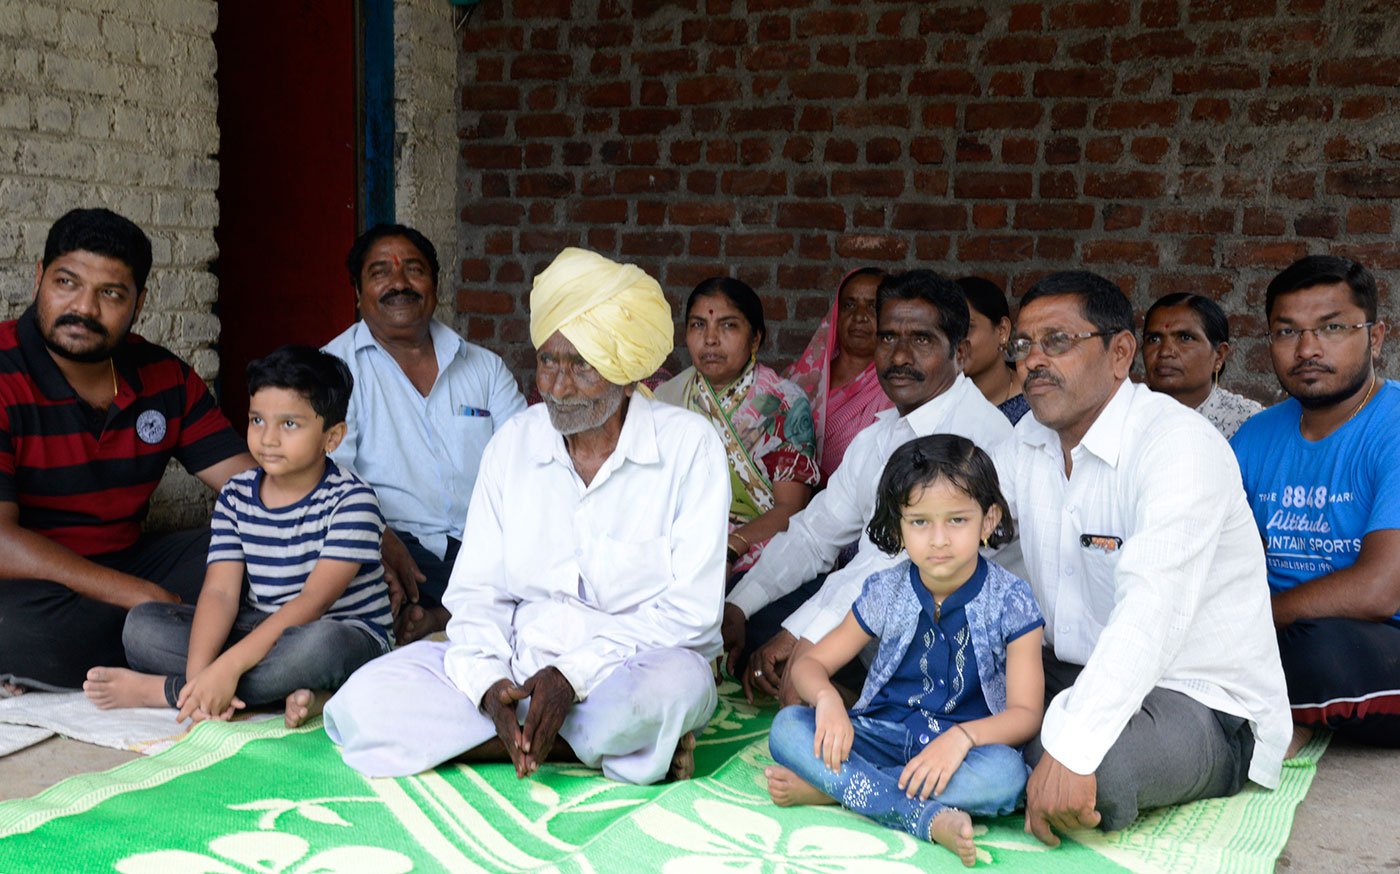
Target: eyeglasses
column 1328, row 333
column 1053, row 344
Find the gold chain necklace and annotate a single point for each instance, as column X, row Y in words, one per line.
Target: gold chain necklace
column 1366, row 398
column 113, row 365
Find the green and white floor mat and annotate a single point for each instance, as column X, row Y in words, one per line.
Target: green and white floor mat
column 240, row 798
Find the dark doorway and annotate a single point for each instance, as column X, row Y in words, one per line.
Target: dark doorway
column 288, row 179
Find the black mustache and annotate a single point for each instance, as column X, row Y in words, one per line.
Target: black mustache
column 1312, row 366
column 892, row 372
column 391, row 295
column 74, row 319
column 1041, row 376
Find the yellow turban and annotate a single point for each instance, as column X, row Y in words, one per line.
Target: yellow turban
column 614, row 314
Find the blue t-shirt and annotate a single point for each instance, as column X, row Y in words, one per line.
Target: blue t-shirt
column 1314, row 501
column 936, row 683
column 279, row 547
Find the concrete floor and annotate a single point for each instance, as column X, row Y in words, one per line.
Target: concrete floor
column 1344, row 825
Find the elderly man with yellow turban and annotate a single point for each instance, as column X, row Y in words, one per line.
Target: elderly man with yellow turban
column 587, row 595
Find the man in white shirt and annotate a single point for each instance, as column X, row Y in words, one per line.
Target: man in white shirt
column 425, row 404
column 591, row 573
column 921, row 338
column 1163, row 682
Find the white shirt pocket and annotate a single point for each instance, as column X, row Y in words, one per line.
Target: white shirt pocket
column 1100, row 586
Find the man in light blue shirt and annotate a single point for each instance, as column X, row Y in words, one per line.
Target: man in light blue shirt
column 425, row 404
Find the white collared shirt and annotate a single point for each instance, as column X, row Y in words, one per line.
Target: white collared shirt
column 839, row 513
column 421, row 453
column 1149, row 571
column 580, row 577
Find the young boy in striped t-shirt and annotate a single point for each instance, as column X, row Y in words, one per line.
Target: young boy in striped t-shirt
column 294, row 598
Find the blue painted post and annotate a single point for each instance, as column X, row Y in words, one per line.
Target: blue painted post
column 377, row 69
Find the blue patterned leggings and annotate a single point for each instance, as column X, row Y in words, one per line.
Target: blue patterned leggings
column 990, row 781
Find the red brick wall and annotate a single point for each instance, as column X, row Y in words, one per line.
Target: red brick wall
column 1169, row 144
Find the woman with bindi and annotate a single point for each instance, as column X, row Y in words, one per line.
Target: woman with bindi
column 1185, row 345
column 764, row 420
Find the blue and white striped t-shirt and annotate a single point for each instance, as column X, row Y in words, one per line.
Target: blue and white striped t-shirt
column 339, row 519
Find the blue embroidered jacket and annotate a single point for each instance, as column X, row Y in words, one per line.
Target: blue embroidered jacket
column 1004, row 610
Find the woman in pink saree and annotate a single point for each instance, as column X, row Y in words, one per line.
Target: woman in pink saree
column 837, row 369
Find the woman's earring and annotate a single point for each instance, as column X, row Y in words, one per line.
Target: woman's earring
column 986, row 542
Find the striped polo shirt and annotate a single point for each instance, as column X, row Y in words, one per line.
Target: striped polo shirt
column 83, row 477
column 339, row 519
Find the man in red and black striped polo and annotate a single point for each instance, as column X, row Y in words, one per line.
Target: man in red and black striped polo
column 89, row 415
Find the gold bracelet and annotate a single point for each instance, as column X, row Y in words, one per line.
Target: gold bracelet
column 742, row 540
column 970, row 739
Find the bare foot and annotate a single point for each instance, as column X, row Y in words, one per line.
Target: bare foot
column 119, row 687
column 952, row 829
column 304, row 704
column 11, row 690
column 789, row 790
column 1301, row 735
column 417, row 622
column 683, row 762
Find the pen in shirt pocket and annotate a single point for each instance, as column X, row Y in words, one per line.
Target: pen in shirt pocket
column 475, row 412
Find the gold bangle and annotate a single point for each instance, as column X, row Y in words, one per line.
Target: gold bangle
column 742, row 540
column 970, row 739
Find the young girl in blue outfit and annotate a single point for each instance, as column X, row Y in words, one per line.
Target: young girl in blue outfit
column 956, row 685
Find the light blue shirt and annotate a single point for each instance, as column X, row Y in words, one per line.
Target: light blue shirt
column 421, row 453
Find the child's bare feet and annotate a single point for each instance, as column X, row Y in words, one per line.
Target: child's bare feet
column 683, row 761
column 11, row 690
column 789, row 790
column 417, row 622
column 952, row 829
column 119, row 687
column 1301, row 735
column 304, row 704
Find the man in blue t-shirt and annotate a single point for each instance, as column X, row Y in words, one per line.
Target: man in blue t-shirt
column 1322, row 474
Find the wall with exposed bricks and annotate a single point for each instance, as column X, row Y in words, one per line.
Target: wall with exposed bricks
column 1169, row 144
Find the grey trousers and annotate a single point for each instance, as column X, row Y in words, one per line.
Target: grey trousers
column 1173, row 750
column 319, row 655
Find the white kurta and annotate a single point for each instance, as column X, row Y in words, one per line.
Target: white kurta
column 553, row 572
column 619, row 584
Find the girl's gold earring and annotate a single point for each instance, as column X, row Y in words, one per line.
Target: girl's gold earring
column 986, row 542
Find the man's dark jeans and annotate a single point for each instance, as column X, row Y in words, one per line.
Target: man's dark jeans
column 50, row 635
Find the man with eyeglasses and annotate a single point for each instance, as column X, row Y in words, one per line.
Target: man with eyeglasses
column 1162, row 678
column 1322, row 474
